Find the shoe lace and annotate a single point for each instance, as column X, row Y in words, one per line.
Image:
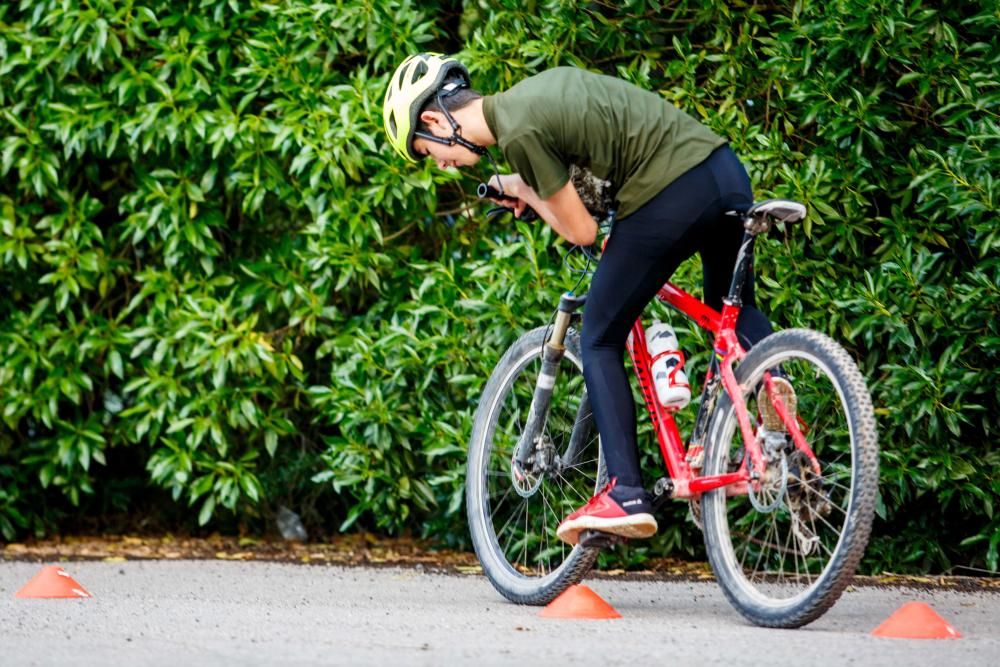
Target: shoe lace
column 604, row 490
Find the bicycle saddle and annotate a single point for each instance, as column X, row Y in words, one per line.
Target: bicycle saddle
column 782, row 210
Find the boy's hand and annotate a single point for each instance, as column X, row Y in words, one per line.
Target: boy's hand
column 513, row 186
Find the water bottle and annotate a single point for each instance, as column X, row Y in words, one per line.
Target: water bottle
column 669, row 380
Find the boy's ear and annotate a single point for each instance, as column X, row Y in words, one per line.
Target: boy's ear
column 432, row 118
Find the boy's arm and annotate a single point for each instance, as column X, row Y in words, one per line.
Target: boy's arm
column 563, row 211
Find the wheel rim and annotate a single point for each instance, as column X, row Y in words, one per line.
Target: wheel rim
column 779, row 556
column 522, row 526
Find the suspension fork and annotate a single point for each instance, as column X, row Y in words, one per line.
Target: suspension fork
column 552, row 354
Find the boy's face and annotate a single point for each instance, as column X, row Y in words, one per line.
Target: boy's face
column 444, row 155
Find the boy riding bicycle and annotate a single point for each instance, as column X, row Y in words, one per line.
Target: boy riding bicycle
column 671, row 181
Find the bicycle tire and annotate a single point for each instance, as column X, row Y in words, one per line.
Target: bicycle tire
column 823, row 501
column 512, row 381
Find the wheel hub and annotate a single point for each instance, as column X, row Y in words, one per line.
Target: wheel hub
column 543, row 459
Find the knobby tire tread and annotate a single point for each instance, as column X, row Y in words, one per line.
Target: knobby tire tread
column 581, row 560
column 857, row 528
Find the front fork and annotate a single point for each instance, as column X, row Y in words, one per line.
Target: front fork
column 552, row 354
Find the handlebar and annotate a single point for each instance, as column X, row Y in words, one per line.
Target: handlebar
column 486, row 191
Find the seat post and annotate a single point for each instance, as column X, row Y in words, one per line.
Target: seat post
column 744, row 264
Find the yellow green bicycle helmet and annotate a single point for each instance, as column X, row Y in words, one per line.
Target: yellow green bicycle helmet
column 414, row 82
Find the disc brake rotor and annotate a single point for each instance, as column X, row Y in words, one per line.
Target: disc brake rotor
column 770, row 493
column 527, row 482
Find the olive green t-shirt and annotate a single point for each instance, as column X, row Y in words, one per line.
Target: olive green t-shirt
column 625, row 140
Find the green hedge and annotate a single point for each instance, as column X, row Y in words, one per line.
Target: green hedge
column 218, row 286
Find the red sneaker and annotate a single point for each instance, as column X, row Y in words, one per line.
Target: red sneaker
column 626, row 516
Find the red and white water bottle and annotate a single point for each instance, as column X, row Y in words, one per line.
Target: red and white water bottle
column 669, row 380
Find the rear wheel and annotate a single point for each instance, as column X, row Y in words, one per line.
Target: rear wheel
column 785, row 550
column 513, row 514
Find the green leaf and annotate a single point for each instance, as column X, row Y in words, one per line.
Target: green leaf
column 207, row 508
column 117, row 367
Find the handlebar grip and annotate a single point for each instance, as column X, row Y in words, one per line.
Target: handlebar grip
column 486, row 191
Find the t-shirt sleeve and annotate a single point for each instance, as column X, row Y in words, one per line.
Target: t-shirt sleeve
column 537, row 163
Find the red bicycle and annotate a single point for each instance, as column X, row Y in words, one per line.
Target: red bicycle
column 786, row 515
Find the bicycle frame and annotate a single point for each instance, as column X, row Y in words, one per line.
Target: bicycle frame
column 727, row 350
column 685, row 483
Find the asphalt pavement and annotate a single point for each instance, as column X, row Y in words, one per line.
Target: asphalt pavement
column 148, row 613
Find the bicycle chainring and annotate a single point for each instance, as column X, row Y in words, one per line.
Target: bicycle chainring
column 694, row 507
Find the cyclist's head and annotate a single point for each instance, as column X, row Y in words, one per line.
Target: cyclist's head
column 425, row 81
column 460, row 98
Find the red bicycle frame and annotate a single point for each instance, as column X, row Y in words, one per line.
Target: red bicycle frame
column 686, row 483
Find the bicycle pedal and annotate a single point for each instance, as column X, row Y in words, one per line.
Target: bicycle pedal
column 663, row 493
column 659, row 502
column 594, row 539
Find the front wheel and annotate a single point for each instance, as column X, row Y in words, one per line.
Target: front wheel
column 785, row 548
column 513, row 512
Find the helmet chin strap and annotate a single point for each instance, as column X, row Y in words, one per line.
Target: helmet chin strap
column 456, row 129
column 456, row 137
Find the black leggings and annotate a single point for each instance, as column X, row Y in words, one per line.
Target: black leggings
column 644, row 250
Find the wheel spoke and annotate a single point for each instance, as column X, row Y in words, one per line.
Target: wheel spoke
column 503, row 498
column 506, row 547
column 788, row 559
column 519, row 518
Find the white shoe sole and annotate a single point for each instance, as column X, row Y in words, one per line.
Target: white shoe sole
column 635, row 526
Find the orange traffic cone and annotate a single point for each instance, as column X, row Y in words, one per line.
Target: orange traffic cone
column 53, row 582
column 579, row 602
column 916, row 620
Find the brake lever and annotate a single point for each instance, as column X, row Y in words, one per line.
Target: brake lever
column 528, row 215
column 498, row 210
